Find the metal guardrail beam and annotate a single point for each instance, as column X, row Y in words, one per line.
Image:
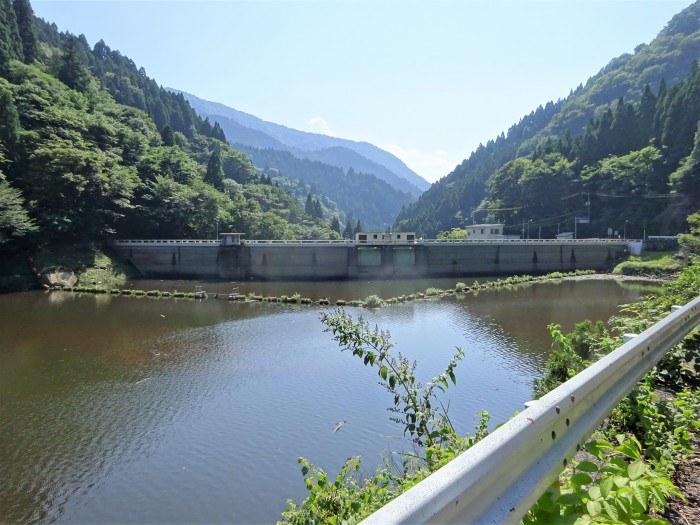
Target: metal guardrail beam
column 499, row 479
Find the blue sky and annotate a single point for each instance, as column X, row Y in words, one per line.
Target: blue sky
column 427, row 81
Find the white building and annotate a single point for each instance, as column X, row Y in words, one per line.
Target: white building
column 485, row 231
column 370, row 237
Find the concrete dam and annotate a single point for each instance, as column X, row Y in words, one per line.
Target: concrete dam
column 233, row 259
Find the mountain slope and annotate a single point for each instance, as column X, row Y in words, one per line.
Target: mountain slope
column 247, row 129
column 450, row 202
column 359, row 195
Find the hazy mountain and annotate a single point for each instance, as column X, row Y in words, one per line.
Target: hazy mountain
column 364, row 157
column 359, row 195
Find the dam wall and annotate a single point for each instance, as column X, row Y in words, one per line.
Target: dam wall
column 338, row 260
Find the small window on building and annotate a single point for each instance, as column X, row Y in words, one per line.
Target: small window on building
column 482, row 231
column 375, row 235
column 398, row 236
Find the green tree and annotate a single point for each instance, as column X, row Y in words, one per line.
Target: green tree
column 358, row 227
column 692, row 240
column 309, row 206
column 685, row 181
column 166, row 134
column 14, row 218
column 27, row 30
column 347, row 232
column 73, row 70
column 215, row 171
column 317, row 210
column 335, row 224
column 9, row 119
column 10, row 40
column 237, row 166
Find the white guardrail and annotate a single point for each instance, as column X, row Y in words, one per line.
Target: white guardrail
column 499, row 479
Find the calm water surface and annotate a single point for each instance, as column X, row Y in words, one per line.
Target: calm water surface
column 133, row 410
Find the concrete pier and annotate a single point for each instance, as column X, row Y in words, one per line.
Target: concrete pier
column 340, row 260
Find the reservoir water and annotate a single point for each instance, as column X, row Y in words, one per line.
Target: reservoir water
column 134, row 410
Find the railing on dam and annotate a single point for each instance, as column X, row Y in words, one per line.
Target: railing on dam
column 499, row 479
column 165, row 242
column 352, row 242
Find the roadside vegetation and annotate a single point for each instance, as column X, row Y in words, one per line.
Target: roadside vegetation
column 628, row 473
column 651, row 264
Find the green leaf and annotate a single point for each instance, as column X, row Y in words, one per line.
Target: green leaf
column 599, row 447
column 611, row 510
column 581, row 479
column 392, row 381
column 594, row 508
column 383, row 371
column 621, row 481
column 616, row 465
column 629, row 449
column 587, row 466
column 606, row 486
column 546, row 502
column 636, row 469
column 594, row 492
column 570, row 498
column 659, row 495
column 641, row 494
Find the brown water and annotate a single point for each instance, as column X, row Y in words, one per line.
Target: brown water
column 132, row 410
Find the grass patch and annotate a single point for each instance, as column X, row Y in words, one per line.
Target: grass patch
column 651, row 263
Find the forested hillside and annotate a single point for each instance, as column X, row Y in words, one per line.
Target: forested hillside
column 585, row 128
column 91, row 148
column 359, row 195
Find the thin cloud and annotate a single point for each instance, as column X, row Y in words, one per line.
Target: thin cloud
column 319, row 125
column 429, row 165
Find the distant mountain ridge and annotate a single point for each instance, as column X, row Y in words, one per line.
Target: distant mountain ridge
column 250, row 130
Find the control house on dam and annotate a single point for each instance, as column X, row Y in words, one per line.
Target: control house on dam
column 368, row 256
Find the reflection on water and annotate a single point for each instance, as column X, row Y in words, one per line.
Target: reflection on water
column 119, row 409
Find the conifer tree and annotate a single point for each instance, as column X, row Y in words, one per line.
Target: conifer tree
column 27, row 29
column 358, row 227
column 335, row 224
column 166, row 134
column 10, row 42
column 347, row 232
column 73, row 71
column 318, row 211
column 215, row 171
column 309, row 206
